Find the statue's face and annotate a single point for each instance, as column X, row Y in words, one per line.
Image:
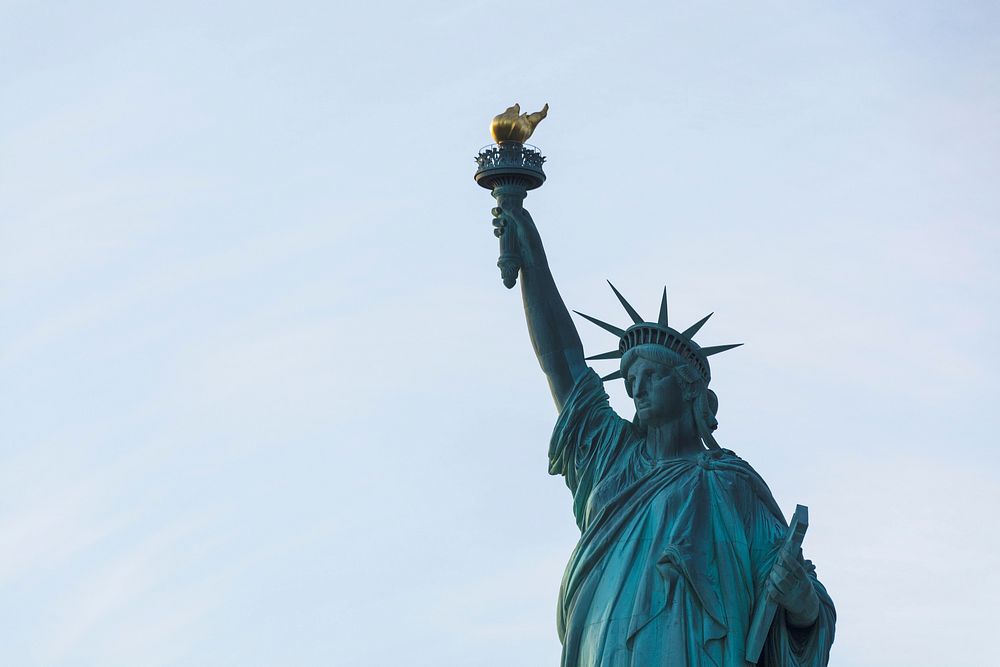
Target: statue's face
column 657, row 394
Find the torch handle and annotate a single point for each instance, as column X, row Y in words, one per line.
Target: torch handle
column 509, row 199
column 510, row 259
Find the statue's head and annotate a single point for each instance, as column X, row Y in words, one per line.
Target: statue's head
column 665, row 388
column 666, row 373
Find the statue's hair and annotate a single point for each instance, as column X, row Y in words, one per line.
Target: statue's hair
column 694, row 388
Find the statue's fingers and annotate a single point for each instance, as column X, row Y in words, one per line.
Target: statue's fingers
column 781, row 567
column 787, row 551
column 798, row 587
column 790, row 557
column 795, row 570
column 795, row 565
column 784, row 578
column 803, row 588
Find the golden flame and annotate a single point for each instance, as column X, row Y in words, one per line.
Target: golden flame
column 513, row 126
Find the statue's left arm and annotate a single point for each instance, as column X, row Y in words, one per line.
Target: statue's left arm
column 791, row 645
column 803, row 629
column 789, row 585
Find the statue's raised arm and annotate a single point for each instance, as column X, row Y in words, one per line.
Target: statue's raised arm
column 552, row 332
column 509, row 168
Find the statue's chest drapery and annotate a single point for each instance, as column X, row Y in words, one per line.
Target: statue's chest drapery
column 647, row 558
column 641, row 485
column 647, row 504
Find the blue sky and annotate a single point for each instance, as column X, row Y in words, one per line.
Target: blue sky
column 266, row 402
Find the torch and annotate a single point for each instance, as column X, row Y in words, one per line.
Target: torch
column 508, row 169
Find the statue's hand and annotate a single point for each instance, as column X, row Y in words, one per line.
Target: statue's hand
column 500, row 222
column 516, row 221
column 790, row 586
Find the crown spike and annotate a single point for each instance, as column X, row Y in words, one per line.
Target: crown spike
column 604, row 325
column 617, row 375
column 613, row 354
column 663, row 309
column 694, row 328
column 709, row 351
column 636, row 317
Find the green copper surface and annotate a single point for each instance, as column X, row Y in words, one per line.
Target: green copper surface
column 684, row 558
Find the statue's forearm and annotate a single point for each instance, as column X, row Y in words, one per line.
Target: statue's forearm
column 552, row 332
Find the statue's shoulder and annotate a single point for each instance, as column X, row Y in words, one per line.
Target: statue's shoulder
column 725, row 460
column 588, row 407
column 740, row 473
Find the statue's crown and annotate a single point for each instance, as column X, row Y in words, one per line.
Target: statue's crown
column 658, row 333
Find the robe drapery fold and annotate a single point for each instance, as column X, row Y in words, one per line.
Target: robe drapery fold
column 673, row 553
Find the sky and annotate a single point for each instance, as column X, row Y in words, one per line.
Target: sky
column 265, row 401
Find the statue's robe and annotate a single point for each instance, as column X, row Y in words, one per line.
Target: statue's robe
column 673, row 553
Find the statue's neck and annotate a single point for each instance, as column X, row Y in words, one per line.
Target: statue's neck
column 673, row 440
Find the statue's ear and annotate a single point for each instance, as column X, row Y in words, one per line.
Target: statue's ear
column 713, row 402
column 705, row 423
column 705, row 408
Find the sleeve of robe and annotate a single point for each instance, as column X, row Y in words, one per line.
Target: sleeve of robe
column 585, row 441
column 786, row 646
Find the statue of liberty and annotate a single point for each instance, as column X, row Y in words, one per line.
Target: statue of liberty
column 681, row 541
